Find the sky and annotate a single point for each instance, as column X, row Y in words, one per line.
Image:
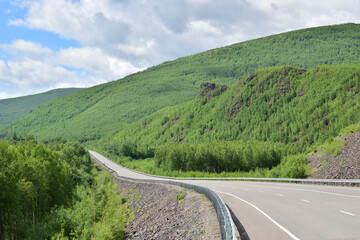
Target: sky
column 81, row 43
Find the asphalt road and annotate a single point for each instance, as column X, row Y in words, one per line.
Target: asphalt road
column 282, row 210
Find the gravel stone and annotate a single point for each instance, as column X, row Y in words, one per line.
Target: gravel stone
column 346, row 165
column 160, row 215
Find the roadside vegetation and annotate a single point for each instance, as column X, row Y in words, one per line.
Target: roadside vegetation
column 51, row 191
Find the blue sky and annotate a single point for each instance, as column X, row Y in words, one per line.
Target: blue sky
column 63, row 43
column 8, row 32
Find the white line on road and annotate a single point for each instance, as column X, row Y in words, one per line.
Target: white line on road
column 263, row 213
column 351, row 214
column 280, row 195
column 304, row 200
column 306, row 190
column 261, row 191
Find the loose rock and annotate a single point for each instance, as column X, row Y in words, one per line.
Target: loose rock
column 160, row 215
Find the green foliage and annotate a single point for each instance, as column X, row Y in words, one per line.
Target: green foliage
column 91, row 114
column 279, row 104
column 132, row 150
column 49, row 190
column 294, row 166
column 179, row 196
column 349, row 130
column 14, row 108
column 333, row 147
column 33, row 180
column 220, row 156
column 78, row 160
column 291, row 166
column 98, row 213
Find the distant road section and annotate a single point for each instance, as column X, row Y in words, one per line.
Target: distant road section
column 281, row 210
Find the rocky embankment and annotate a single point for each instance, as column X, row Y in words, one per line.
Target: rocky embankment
column 345, row 165
column 168, row 212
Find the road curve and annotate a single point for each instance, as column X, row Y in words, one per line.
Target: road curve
column 282, row 210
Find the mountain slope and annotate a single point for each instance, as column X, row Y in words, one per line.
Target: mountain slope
column 90, row 114
column 14, row 108
column 278, row 104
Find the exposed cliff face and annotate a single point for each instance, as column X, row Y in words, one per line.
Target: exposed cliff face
column 211, row 90
column 345, row 165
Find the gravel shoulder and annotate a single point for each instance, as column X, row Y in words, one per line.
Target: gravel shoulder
column 159, row 214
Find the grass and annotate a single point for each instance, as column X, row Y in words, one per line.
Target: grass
column 180, row 196
column 350, row 129
column 333, row 148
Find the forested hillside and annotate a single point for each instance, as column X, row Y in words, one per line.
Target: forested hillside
column 278, row 104
column 14, row 108
column 93, row 113
column 239, row 127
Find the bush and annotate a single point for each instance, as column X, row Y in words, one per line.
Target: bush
column 221, row 156
column 295, row 166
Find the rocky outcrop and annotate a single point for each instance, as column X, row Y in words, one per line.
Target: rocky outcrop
column 211, row 90
column 345, row 165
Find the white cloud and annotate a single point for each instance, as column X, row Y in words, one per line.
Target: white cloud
column 121, row 37
column 37, row 68
column 89, row 22
column 204, row 28
column 21, row 47
column 5, row 95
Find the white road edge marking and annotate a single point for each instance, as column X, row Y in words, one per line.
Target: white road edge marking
column 351, row 214
column 304, row 200
column 305, row 190
column 263, row 213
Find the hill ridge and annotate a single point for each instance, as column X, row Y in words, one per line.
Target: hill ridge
column 104, row 109
column 14, row 108
column 274, row 98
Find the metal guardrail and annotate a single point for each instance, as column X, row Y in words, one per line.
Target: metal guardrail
column 347, row 182
column 227, row 227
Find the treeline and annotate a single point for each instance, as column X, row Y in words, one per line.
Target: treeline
column 43, row 185
column 221, row 156
column 130, row 149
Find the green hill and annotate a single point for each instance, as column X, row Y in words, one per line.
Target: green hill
column 14, row 108
column 90, row 114
column 262, row 121
column 277, row 104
